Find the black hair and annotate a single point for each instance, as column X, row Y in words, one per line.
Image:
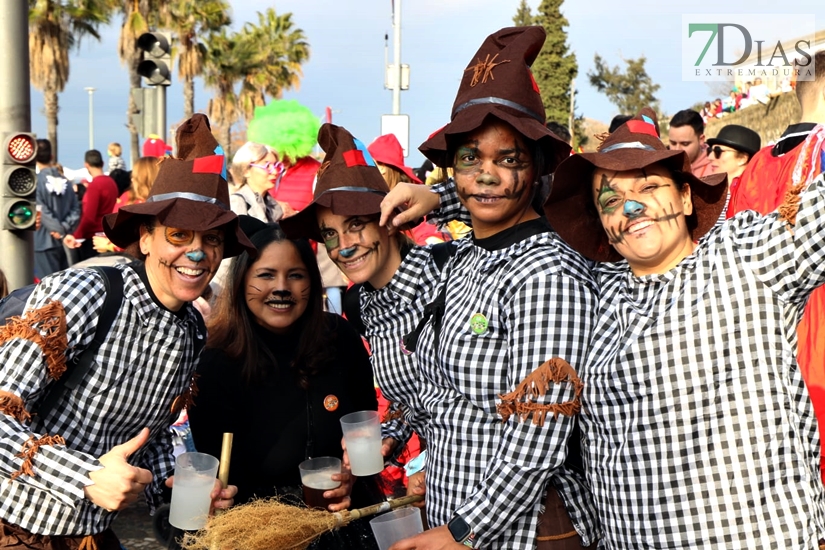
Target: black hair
column 93, row 158
column 44, row 152
column 688, row 117
column 231, row 325
column 123, row 179
column 617, row 121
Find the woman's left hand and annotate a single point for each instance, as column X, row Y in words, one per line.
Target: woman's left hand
column 341, row 494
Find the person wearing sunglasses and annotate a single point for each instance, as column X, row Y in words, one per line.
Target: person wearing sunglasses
column 731, row 151
column 255, row 170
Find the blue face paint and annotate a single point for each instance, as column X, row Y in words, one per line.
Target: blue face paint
column 196, row 255
column 633, row 209
column 348, row 252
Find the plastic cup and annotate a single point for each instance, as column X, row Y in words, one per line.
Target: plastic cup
column 316, row 477
column 362, row 435
column 194, row 480
column 397, row 525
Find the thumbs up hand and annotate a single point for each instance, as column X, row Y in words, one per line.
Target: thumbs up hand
column 119, row 483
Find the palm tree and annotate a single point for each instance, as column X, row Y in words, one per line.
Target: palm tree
column 56, row 26
column 188, row 20
column 280, row 52
column 138, row 17
column 229, row 59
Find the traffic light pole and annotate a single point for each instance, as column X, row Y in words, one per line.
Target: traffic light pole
column 16, row 247
column 160, row 107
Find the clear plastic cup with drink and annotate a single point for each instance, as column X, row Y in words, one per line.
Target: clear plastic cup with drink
column 192, row 489
column 316, row 478
column 362, row 436
column 397, row 525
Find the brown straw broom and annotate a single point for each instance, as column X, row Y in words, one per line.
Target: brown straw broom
column 270, row 524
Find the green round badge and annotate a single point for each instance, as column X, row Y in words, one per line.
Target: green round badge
column 479, row 324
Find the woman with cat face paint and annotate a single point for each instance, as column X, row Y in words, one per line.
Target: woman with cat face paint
column 279, row 373
column 693, row 403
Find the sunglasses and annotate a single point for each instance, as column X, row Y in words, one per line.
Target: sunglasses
column 717, row 151
column 270, row 167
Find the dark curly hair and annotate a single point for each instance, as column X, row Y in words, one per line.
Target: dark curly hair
column 230, row 327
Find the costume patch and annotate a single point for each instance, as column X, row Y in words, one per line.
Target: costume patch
column 46, row 327
column 483, row 70
column 521, row 401
column 30, row 448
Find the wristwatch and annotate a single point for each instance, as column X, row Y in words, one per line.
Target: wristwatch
column 461, row 532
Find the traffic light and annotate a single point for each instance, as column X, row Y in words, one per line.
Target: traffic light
column 156, row 66
column 19, row 202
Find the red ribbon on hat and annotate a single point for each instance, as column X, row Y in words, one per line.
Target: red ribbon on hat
column 354, row 157
column 208, row 165
column 642, row 127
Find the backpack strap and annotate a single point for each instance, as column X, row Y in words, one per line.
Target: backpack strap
column 441, row 253
column 351, row 304
column 77, row 369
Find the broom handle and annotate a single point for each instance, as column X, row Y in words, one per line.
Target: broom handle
column 226, row 455
column 343, row 518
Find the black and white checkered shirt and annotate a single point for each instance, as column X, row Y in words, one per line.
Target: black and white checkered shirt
column 389, row 313
column 537, row 295
column 145, row 362
column 698, row 428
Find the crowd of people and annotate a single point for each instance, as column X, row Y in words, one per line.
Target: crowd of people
column 750, row 93
column 621, row 351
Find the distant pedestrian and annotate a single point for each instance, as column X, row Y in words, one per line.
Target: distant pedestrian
column 59, row 214
column 98, row 200
column 115, row 160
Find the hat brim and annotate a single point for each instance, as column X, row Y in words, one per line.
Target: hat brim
column 571, row 211
column 737, row 146
column 304, row 224
column 123, row 226
column 435, row 148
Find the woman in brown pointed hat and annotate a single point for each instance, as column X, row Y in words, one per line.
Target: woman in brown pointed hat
column 67, row 472
column 513, row 306
column 693, row 403
column 344, row 217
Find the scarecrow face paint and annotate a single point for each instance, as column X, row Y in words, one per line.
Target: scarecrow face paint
column 495, row 178
column 180, row 262
column 259, row 179
column 643, row 213
column 277, row 287
column 359, row 247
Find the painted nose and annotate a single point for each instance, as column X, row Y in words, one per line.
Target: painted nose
column 348, row 252
column 196, row 255
column 633, row 209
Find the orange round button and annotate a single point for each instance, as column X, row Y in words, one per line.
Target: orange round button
column 330, row 403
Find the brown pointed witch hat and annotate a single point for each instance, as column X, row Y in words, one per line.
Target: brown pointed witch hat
column 348, row 182
column 189, row 192
column 498, row 83
column 635, row 144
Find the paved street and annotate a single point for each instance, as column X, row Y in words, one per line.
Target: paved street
column 134, row 528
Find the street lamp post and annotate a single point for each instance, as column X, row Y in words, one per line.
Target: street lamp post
column 91, row 117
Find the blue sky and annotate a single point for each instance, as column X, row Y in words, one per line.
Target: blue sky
column 439, row 37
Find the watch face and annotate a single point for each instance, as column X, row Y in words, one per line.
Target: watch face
column 459, row 529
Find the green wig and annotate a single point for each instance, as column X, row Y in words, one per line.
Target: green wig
column 287, row 126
